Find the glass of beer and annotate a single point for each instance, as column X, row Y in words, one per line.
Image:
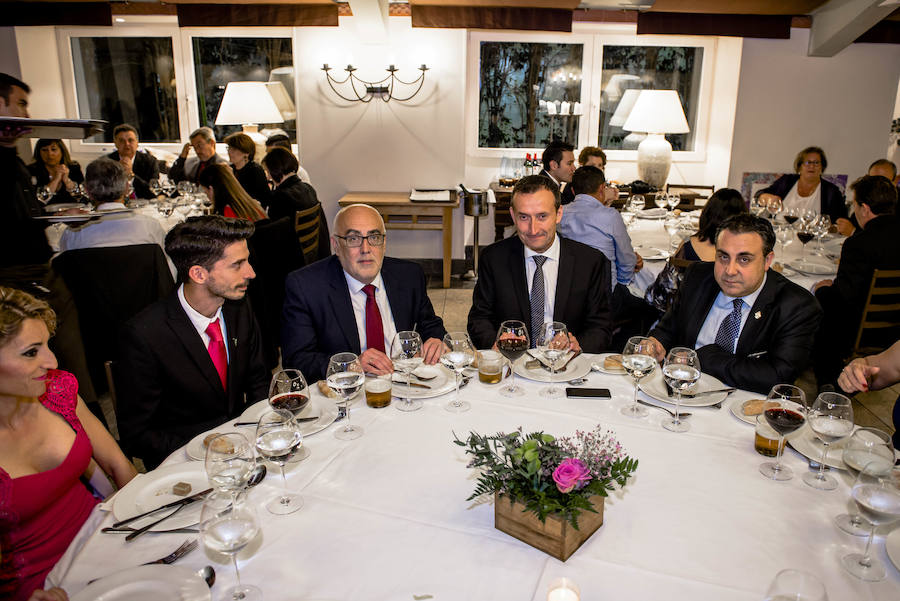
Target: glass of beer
column 766, row 439
column 378, row 391
column 490, row 367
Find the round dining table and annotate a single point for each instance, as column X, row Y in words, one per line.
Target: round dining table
column 385, row 516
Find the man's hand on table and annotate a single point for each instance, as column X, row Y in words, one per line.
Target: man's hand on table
column 375, row 362
column 659, row 351
column 639, row 263
column 432, row 351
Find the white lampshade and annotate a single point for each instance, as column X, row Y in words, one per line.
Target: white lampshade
column 248, row 102
column 623, row 109
column 657, row 112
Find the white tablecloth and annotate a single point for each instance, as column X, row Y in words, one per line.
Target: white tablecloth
column 385, row 516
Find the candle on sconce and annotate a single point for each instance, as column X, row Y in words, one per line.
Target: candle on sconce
column 577, row 109
column 551, row 108
column 564, row 108
column 563, row 589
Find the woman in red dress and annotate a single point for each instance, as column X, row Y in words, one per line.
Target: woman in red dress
column 49, row 443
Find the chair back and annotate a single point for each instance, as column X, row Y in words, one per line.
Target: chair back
column 306, row 224
column 879, row 326
column 693, row 196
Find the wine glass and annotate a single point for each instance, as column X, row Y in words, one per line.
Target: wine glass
column 680, row 370
column 774, row 207
column 866, row 447
column 512, row 341
column 227, row 526
column 791, row 215
column 636, row 203
column 77, row 192
column 673, row 225
column 277, row 439
column 168, row 187
column 805, row 233
column 639, row 362
column 831, row 418
column 288, row 391
column 407, row 354
column 821, row 226
column 184, row 187
column 44, row 194
column 877, row 494
column 229, row 462
column 788, row 415
column 345, row 377
column 795, row 584
column 785, row 234
column 673, row 199
column 459, row 352
column 627, row 218
column 553, row 344
column 660, row 200
column 165, row 208
column 155, row 187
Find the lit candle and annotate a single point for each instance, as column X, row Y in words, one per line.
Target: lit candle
column 564, row 108
column 577, row 109
column 563, row 589
column 551, row 108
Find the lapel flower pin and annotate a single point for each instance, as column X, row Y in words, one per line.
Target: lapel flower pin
column 758, row 314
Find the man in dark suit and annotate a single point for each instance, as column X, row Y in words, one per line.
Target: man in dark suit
column 559, row 163
column 752, row 327
column 356, row 301
column 538, row 277
column 142, row 165
column 875, row 246
column 203, row 141
column 194, row 359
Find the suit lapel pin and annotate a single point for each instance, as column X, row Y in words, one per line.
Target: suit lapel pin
column 758, row 314
column 234, row 340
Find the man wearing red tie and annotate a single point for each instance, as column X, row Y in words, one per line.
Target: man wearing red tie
column 356, row 301
column 194, row 359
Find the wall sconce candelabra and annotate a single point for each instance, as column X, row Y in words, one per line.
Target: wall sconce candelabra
column 383, row 89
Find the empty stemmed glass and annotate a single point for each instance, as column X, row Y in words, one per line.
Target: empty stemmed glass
column 821, row 226
column 459, row 352
column 636, row 203
column 673, row 199
column 774, row 207
column 44, row 194
column 788, row 415
column 795, row 584
column 407, row 355
column 785, row 235
column 639, row 361
column 227, row 526
column 553, row 344
column 866, row 447
column 155, row 187
column 184, row 187
column 277, row 439
column 877, row 494
column 681, row 370
column 660, row 199
column 345, row 377
column 229, row 462
column 168, row 187
column 831, row 419
column 512, row 341
column 673, row 225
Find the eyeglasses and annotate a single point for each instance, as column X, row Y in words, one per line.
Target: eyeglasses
column 355, row 240
column 812, row 163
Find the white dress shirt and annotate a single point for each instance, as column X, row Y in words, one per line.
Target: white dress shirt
column 358, row 300
column 121, row 229
column 201, row 321
column 793, row 200
column 551, row 271
column 722, row 306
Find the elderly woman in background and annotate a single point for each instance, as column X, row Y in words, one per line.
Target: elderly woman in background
column 228, row 197
column 49, row 443
column 53, row 167
column 805, row 188
column 250, row 174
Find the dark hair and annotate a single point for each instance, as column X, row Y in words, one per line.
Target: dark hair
column 876, row 191
column 798, row 160
column 202, row 241
column 228, row 192
column 279, row 140
column 745, row 223
column 554, row 152
column 125, row 127
column 534, row 183
column 591, row 151
column 724, row 203
column 587, row 180
column 242, row 142
column 15, row 307
column 43, row 143
column 105, row 180
column 885, row 163
column 7, row 82
column 280, row 162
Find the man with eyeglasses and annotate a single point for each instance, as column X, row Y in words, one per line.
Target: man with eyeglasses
column 356, row 300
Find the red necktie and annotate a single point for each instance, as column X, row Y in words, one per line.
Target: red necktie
column 217, row 352
column 374, row 330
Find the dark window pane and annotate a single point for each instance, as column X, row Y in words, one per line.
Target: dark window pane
column 517, row 80
column 648, row 68
column 127, row 80
column 218, row 61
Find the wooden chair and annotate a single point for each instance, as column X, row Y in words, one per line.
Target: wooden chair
column 307, row 224
column 692, row 196
column 881, row 314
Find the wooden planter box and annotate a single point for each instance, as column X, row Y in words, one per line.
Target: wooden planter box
column 555, row 536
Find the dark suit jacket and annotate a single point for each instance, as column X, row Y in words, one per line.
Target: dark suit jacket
column 318, row 317
column 186, row 169
column 169, row 390
column 782, row 324
column 582, row 293
column 293, row 195
column 831, row 203
column 253, row 179
column 145, row 168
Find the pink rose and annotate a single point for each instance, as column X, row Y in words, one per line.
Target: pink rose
column 571, row 473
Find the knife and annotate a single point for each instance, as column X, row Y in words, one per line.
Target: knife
column 412, row 384
column 536, row 363
column 708, row 392
column 299, row 420
column 179, row 502
column 146, row 528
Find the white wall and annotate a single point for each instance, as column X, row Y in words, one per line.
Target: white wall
column 38, row 59
column 788, row 101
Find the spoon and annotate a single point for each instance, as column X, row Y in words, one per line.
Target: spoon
column 208, row 574
column 577, row 381
column 256, row 475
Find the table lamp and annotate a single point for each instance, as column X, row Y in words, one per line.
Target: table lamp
column 620, row 115
column 248, row 103
column 656, row 112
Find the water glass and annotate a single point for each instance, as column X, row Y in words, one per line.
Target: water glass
column 639, row 361
column 680, row 371
column 345, row 377
column 459, row 352
column 795, row 585
column 831, row 419
column 553, row 344
column 277, row 439
column 866, row 447
column 407, row 354
column 226, row 526
column 877, row 495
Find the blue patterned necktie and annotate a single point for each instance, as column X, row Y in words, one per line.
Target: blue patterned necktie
column 537, row 299
column 730, row 327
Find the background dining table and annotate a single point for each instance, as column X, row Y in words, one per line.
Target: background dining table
column 385, row 516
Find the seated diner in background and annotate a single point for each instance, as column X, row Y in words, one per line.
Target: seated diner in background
column 805, row 188
column 54, row 168
column 751, row 326
column 50, row 444
column 281, row 140
column 228, row 197
column 875, row 372
column 591, row 156
column 249, row 173
column 141, row 166
column 203, row 141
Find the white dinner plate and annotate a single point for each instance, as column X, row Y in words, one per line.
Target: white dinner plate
column 444, row 381
column 195, row 449
column 599, row 363
column 154, row 489
column 808, row 444
column 318, row 405
column 113, row 211
column 737, row 409
column 813, row 266
column 578, row 368
column 65, row 206
column 651, row 253
column 148, row 583
column 892, row 546
column 654, row 386
column 657, row 213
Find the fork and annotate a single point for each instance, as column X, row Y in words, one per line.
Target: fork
column 185, row 548
column 681, row 415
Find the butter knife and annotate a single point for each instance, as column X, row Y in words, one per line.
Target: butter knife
column 412, row 384
column 299, row 420
column 180, row 502
column 708, row 392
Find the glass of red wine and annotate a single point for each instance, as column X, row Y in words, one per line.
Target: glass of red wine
column 786, row 413
column 805, row 233
column 288, row 392
column 512, row 342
